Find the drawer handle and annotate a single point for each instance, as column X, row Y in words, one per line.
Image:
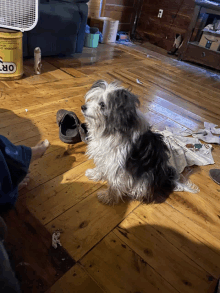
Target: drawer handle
column 203, row 54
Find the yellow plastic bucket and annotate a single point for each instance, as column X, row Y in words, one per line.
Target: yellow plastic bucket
column 11, row 54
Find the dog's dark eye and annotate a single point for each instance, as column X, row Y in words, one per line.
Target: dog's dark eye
column 102, row 105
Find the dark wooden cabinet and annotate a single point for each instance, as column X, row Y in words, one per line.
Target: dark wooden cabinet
column 191, row 51
column 202, row 55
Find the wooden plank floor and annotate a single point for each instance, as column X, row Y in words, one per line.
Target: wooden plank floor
column 169, row 247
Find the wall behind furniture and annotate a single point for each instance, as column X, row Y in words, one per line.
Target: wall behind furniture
column 122, row 10
column 176, row 18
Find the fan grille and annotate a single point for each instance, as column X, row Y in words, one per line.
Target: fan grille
column 18, row 14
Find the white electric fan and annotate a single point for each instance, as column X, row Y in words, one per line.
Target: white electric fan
column 21, row 15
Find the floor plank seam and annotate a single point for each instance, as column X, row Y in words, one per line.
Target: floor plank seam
column 194, row 223
column 202, row 269
column 53, row 177
column 169, row 77
column 147, row 262
column 73, row 205
column 170, row 92
column 166, row 90
column 169, row 119
column 38, row 106
column 72, row 76
column 90, row 276
column 108, row 232
column 180, row 114
column 169, row 60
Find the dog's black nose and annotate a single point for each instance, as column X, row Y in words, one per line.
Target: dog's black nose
column 83, row 108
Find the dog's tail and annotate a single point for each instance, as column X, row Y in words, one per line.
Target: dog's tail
column 148, row 160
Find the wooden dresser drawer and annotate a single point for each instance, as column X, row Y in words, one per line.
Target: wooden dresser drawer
column 202, row 55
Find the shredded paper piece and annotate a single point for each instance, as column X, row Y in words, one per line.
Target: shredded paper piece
column 189, row 151
column 55, row 239
column 139, row 82
column 206, row 134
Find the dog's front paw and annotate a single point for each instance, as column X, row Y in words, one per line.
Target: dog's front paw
column 105, row 197
column 89, row 173
column 92, row 174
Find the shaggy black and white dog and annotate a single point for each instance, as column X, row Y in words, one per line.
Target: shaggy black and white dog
column 127, row 154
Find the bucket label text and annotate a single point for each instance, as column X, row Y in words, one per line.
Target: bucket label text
column 7, row 67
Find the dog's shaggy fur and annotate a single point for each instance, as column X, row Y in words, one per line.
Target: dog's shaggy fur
column 127, row 154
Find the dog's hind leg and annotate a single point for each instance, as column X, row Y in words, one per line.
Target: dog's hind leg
column 109, row 196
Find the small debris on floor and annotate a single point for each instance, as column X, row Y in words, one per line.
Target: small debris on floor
column 55, row 239
column 26, row 110
column 198, row 146
column 139, row 82
column 188, row 151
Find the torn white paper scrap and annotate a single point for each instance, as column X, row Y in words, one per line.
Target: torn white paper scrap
column 181, row 156
column 139, row 82
column 55, row 239
column 206, row 136
column 212, row 127
column 178, row 131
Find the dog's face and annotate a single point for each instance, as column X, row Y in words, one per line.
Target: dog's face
column 110, row 107
column 96, row 105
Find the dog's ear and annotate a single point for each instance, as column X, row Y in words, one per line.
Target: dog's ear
column 122, row 115
column 98, row 87
column 100, row 84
